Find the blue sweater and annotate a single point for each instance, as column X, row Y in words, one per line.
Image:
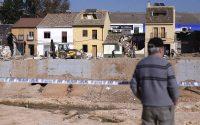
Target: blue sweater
column 154, row 82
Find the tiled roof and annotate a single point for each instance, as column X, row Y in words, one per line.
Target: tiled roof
column 58, row 20
column 101, row 16
column 127, row 17
column 131, row 17
column 27, row 23
column 188, row 18
column 113, row 38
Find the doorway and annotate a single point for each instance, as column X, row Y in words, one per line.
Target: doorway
column 31, row 50
column 94, row 50
column 167, row 49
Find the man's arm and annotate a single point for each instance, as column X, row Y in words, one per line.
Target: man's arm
column 135, row 84
column 172, row 85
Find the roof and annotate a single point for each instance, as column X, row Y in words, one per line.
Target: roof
column 101, row 16
column 132, row 17
column 27, row 23
column 188, row 18
column 58, row 20
column 127, row 17
column 113, row 38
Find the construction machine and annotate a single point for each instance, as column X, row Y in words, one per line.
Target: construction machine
column 64, row 52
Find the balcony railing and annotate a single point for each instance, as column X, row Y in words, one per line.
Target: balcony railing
column 30, row 38
column 20, row 38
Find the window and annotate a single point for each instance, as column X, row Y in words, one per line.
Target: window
column 155, row 30
column 30, row 36
column 94, row 34
column 85, row 48
column 85, row 33
column 47, row 35
column 64, row 37
column 21, row 37
column 163, row 34
column 136, row 30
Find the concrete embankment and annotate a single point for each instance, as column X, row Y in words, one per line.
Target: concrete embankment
column 100, row 69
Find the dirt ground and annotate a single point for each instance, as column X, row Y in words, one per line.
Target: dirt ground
column 25, row 104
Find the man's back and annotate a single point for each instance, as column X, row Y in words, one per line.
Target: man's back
column 156, row 82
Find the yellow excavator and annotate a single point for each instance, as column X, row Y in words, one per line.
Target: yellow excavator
column 65, row 53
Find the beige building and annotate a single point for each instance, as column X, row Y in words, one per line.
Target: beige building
column 90, row 30
column 160, row 22
column 25, row 32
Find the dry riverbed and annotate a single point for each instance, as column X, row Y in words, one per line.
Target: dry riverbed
column 25, row 104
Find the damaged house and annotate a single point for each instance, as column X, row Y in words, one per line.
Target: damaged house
column 90, row 31
column 25, row 32
column 56, row 27
column 160, row 22
column 111, row 45
column 127, row 22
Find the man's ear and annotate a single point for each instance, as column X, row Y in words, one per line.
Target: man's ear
column 161, row 49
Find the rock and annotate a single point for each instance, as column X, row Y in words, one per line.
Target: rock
column 70, row 114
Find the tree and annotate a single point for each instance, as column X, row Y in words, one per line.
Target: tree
column 12, row 10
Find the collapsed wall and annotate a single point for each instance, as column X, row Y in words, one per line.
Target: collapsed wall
column 100, row 69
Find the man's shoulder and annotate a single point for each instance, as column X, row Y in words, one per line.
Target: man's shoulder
column 154, row 61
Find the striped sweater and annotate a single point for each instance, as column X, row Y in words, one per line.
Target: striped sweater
column 154, row 82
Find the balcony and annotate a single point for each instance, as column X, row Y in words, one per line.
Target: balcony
column 160, row 35
column 30, row 38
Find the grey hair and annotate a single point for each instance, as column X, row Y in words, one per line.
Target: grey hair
column 152, row 49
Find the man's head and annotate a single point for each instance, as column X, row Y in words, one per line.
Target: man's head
column 156, row 47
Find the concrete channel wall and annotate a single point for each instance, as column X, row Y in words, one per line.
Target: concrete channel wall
column 101, row 69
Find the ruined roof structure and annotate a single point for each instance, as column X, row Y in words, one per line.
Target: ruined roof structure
column 160, row 14
column 90, row 17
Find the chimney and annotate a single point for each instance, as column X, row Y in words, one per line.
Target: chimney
column 148, row 4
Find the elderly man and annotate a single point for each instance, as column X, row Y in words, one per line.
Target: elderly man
column 155, row 85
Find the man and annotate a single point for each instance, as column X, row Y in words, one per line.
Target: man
column 155, row 85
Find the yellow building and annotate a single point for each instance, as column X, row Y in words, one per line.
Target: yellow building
column 25, row 32
column 160, row 22
column 90, row 30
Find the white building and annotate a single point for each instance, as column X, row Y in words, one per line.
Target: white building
column 129, row 23
column 56, row 27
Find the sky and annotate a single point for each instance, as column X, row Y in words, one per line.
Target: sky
column 133, row 5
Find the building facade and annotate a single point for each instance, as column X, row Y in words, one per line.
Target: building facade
column 90, row 31
column 56, row 27
column 160, row 22
column 25, row 32
column 130, row 23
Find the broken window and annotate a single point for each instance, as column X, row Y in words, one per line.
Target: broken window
column 85, row 33
column 47, row 35
column 136, row 30
column 94, row 34
column 159, row 13
column 163, row 34
column 64, row 37
column 85, row 48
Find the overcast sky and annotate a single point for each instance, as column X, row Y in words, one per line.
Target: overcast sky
column 133, row 5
